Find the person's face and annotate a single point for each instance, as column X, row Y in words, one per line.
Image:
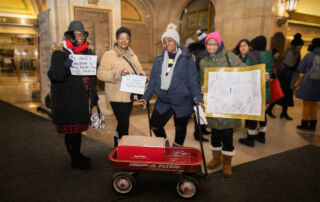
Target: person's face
column 79, row 36
column 123, row 41
column 170, row 45
column 244, row 48
column 212, row 46
column 276, row 55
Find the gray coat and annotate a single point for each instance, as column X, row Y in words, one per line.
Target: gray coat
column 308, row 89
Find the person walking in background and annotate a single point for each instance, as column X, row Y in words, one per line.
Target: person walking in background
column 72, row 95
column 309, row 87
column 258, row 55
column 174, row 79
column 242, row 49
column 221, row 128
column 276, row 55
column 115, row 63
column 291, row 61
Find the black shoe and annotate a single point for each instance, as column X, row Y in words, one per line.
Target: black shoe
column 313, row 125
column 286, row 116
column 203, row 139
column 261, row 137
column 304, row 125
column 204, row 130
column 270, row 114
column 249, row 141
column 85, row 158
column 79, row 163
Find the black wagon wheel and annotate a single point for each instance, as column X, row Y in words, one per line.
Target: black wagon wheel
column 187, row 187
column 123, row 183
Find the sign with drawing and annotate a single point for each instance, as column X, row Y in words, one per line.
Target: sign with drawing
column 235, row 92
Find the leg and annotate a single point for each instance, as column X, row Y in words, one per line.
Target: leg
column 269, row 110
column 252, row 127
column 196, row 132
column 227, row 152
column 73, row 142
column 261, row 137
column 158, row 121
column 284, row 113
column 181, row 129
column 216, row 146
column 313, row 116
column 306, row 111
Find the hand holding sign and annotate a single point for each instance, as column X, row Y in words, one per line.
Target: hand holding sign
column 83, row 65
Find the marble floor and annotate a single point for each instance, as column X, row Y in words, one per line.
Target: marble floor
column 282, row 135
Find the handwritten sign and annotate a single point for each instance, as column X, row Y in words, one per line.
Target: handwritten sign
column 133, row 84
column 84, row 65
column 235, row 92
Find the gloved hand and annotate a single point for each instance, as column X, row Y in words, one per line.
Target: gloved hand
column 68, row 63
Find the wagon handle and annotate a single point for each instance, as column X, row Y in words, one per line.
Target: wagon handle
column 200, row 138
column 149, row 119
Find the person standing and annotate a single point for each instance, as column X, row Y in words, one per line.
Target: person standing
column 291, row 60
column 72, row 96
column 174, row 79
column 242, row 49
column 116, row 63
column 309, row 88
column 221, row 128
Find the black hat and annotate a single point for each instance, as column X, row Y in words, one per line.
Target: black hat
column 259, row 43
column 314, row 44
column 76, row 26
column 297, row 41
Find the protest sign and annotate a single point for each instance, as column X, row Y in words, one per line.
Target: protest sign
column 83, row 65
column 133, row 84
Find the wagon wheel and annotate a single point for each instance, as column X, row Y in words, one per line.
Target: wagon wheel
column 123, row 183
column 187, row 187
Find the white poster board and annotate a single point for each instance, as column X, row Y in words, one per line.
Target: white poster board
column 83, row 65
column 133, row 84
column 236, row 92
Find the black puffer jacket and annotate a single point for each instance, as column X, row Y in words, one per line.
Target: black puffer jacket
column 70, row 103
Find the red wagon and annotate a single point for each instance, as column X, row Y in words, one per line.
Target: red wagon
column 184, row 160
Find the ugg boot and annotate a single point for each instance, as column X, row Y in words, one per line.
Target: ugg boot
column 261, row 137
column 313, row 125
column 216, row 159
column 226, row 166
column 304, row 125
column 249, row 140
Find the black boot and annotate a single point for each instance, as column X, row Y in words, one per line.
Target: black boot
column 78, row 162
column 261, row 137
column 269, row 110
column 197, row 137
column 313, row 125
column 78, row 138
column 204, row 130
column 286, row 116
column 249, row 140
column 304, row 125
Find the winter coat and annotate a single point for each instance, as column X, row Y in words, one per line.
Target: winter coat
column 70, row 102
column 220, row 60
column 109, row 71
column 266, row 58
column 308, row 89
column 291, row 59
column 184, row 86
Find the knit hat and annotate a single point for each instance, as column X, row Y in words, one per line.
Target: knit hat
column 214, row 35
column 201, row 35
column 76, row 26
column 297, row 41
column 259, row 43
column 314, row 44
column 171, row 33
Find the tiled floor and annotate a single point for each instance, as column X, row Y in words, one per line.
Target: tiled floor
column 282, row 135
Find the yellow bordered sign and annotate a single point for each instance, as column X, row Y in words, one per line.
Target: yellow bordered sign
column 260, row 67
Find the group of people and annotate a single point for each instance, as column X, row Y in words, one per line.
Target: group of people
column 176, row 78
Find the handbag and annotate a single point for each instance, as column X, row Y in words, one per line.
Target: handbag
column 97, row 119
column 276, row 91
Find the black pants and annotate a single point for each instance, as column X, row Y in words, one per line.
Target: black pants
column 158, row 121
column 122, row 112
column 252, row 125
column 73, row 143
column 222, row 138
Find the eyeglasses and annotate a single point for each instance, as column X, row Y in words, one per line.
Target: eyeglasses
column 212, row 44
column 79, row 34
column 123, row 38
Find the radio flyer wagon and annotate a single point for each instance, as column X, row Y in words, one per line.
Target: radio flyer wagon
column 183, row 160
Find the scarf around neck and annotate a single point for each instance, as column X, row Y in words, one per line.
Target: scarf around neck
column 76, row 49
column 166, row 79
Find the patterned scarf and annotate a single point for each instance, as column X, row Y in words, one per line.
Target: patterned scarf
column 76, row 49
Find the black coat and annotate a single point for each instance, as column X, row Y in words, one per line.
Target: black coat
column 70, row 102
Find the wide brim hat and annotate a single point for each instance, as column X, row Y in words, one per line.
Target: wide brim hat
column 76, row 25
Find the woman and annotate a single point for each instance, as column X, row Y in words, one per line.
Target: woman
column 291, row 60
column 221, row 128
column 118, row 62
column 174, row 79
column 72, row 96
column 242, row 49
column 258, row 55
column 309, row 89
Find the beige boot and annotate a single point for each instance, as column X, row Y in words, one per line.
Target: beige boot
column 216, row 160
column 226, row 166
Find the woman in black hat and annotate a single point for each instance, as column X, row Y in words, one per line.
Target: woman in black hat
column 291, row 60
column 72, row 96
